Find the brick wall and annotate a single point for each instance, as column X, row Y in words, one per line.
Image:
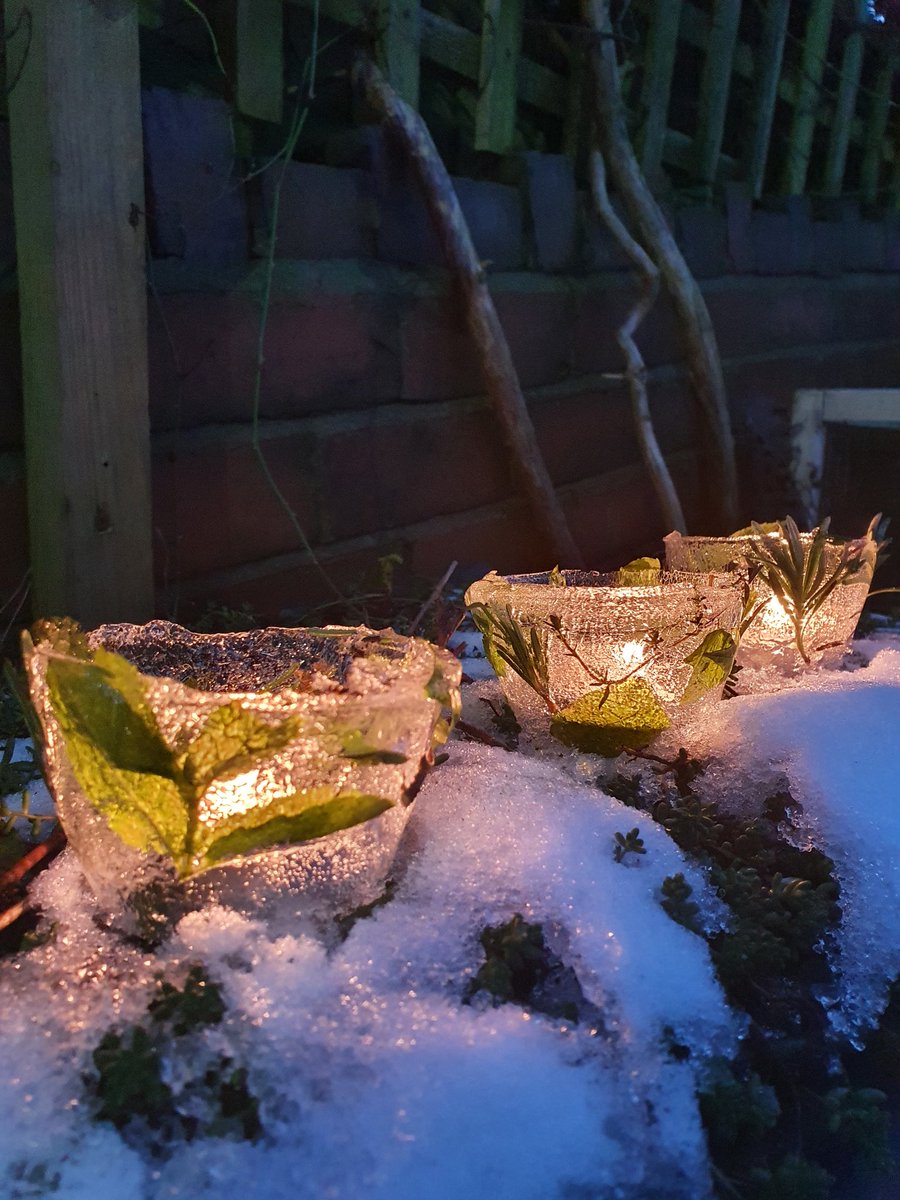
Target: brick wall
column 371, row 416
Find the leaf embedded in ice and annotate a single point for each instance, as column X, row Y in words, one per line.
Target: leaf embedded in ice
column 232, row 741
column 624, row 715
column 711, row 664
column 640, row 572
column 295, row 818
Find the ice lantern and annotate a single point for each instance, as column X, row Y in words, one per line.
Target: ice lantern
column 262, row 770
column 798, row 617
column 607, row 662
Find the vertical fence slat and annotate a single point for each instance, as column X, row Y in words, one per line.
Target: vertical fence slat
column 501, row 43
column 78, row 191
column 398, row 46
column 845, row 106
column 876, row 128
column 659, row 63
column 259, row 58
column 766, row 77
column 715, row 88
column 812, row 69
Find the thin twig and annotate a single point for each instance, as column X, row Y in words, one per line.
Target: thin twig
column 38, row 856
column 10, row 915
column 433, row 597
column 635, row 369
column 479, row 735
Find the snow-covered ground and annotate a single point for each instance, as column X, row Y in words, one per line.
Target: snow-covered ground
column 375, row 1080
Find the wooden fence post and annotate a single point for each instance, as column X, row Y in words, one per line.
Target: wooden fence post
column 715, row 89
column 766, row 76
column 398, row 46
column 806, row 104
column 75, row 121
column 845, row 106
column 659, row 63
column 259, row 58
column 876, row 128
column 501, row 41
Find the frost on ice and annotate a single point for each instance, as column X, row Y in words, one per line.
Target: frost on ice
column 374, row 1078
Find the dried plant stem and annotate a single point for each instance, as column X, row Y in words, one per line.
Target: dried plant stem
column 501, row 382
column 38, row 856
column 432, row 598
column 635, row 370
column 704, row 364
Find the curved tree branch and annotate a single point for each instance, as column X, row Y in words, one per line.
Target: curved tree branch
column 500, row 379
column 635, row 370
column 704, row 364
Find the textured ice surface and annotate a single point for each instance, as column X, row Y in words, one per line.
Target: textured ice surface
column 386, row 691
column 835, row 739
column 770, row 638
column 593, row 630
column 374, row 1079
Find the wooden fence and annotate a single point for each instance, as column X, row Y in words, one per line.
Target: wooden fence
column 791, row 96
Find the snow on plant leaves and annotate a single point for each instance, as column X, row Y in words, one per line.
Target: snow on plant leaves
column 711, row 662
column 624, row 715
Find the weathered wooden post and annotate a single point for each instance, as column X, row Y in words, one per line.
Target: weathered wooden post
column 75, row 123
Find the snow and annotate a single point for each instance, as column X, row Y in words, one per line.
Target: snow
column 375, row 1079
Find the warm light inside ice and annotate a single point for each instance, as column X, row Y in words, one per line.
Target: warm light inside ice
column 633, row 654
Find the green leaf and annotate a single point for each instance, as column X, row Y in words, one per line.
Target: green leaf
column 640, row 572
column 296, row 818
column 232, row 741
column 103, row 703
column 625, row 715
column 757, row 527
column 355, row 747
column 555, row 578
column 481, row 617
column 145, row 810
column 711, row 662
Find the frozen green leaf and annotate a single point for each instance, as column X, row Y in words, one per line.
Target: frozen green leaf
column 711, row 664
column 640, row 572
column 296, row 818
column 147, row 811
column 355, row 746
column 103, row 703
column 756, row 527
column 624, row 715
column 232, row 741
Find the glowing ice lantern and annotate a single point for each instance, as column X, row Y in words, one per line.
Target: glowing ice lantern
column 602, row 665
column 270, row 770
column 771, row 638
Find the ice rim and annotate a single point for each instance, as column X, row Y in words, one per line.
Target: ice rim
column 363, row 710
column 560, row 643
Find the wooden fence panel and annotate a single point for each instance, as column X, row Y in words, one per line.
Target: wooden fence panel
column 659, row 65
column 845, row 105
column 808, row 100
column 767, row 75
column 876, row 128
column 259, row 58
column 715, row 89
column 501, row 42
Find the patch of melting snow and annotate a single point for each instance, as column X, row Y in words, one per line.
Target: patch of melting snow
column 374, row 1078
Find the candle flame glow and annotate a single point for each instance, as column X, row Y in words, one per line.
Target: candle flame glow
column 633, row 653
